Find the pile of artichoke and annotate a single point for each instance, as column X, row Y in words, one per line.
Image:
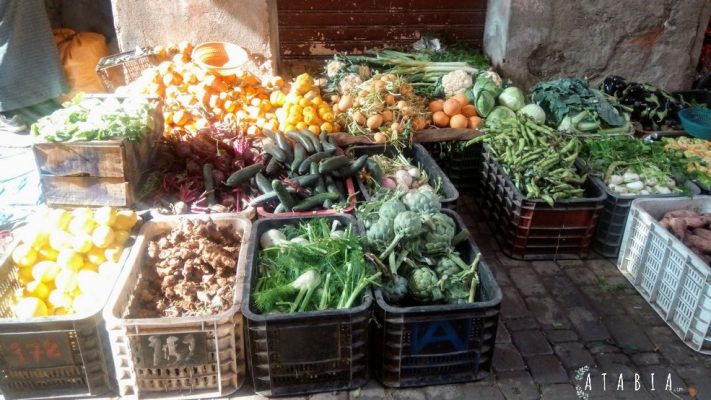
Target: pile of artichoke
column 413, row 243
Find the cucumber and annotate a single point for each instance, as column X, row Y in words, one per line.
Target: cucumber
column 312, row 138
column 284, row 145
column 333, row 163
column 313, row 168
column 284, row 196
column 314, row 158
column 263, row 198
column 352, row 169
column 244, row 174
column 295, row 136
column 269, row 134
column 273, row 166
column 332, row 187
column 299, row 156
column 263, row 183
column 314, row 201
column 307, row 180
column 279, row 209
column 327, row 204
column 375, row 171
column 276, row 152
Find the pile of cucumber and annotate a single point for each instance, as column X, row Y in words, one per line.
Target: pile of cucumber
column 300, row 172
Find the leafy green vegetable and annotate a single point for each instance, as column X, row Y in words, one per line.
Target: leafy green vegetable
column 572, row 106
column 316, row 269
column 97, row 118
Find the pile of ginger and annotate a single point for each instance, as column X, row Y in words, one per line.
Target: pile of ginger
column 693, row 229
column 191, row 270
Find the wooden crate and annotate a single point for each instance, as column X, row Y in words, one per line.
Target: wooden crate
column 95, row 173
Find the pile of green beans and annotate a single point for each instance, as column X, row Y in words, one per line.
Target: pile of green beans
column 539, row 160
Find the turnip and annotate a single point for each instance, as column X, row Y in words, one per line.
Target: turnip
column 272, row 238
column 616, row 180
column 635, row 185
column 389, row 183
column 414, row 172
column 630, row 177
column 644, row 192
column 425, row 188
column 671, row 184
column 662, row 189
column 403, row 178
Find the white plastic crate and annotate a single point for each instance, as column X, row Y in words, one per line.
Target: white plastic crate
column 221, row 367
column 674, row 280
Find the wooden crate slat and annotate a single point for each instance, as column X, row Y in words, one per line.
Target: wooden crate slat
column 86, row 191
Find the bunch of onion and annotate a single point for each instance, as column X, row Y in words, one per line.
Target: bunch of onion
column 384, row 106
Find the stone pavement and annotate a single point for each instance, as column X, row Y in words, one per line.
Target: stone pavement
column 558, row 317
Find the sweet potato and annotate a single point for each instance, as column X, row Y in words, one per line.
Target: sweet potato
column 680, row 214
column 677, row 226
column 694, row 222
column 699, row 243
column 703, row 233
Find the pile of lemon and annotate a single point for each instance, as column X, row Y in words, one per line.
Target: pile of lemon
column 67, row 263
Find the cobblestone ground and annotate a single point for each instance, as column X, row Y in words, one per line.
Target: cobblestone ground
column 557, row 317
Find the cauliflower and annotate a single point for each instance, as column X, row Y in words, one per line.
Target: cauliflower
column 456, row 82
column 333, row 67
column 348, row 83
column 496, row 78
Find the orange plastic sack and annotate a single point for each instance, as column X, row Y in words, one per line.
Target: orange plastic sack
column 80, row 52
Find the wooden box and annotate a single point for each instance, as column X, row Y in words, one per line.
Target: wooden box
column 95, row 173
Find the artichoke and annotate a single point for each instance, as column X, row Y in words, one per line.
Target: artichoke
column 447, row 267
column 391, row 208
column 425, row 202
column 395, row 290
column 423, row 286
column 440, row 232
column 380, row 233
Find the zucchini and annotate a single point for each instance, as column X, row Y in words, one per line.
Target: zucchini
column 244, row 174
column 263, row 183
column 307, row 180
column 276, row 152
column 314, row 201
column 299, row 155
column 312, row 138
column 295, row 136
column 333, row 163
column 313, row 158
column 284, row 196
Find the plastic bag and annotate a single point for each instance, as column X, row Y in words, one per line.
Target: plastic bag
column 79, row 53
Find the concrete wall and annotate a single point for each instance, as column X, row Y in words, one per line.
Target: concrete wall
column 247, row 23
column 657, row 41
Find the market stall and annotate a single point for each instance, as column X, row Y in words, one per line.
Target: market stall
column 293, row 228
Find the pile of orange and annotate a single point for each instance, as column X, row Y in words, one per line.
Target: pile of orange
column 194, row 97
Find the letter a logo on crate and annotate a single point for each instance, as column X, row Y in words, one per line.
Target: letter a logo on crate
column 441, row 336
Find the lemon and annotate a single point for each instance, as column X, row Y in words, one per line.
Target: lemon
column 89, row 282
column 59, row 219
column 45, row 271
column 37, row 289
column 108, row 269
column 84, row 303
column 82, row 243
column 105, row 216
column 66, row 281
column 113, row 253
column 29, row 307
column 69, row 259
column 24, row 275
column 48, row 254
column 125, row 220
column 24, row 255
column 58, row 298
column 89, row 266
column 59, row 239
column 60, row 311
column 103, row 236
column 96, row 256
column 81, row 225
column 120, row 237
column 36, row 239
column 82, row 212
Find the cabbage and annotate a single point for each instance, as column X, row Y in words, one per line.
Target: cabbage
column 500, row 113
column 485, row 83
column 513, row 98
column 485, row 102
column 535, row 112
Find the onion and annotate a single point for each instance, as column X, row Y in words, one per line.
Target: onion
column 389, row 183
column 374, row 122
column 387, row 116
column 378, row 84
column 390, row 100
column 359, row 118
column 401, row 104
column 380, row 138
column 345, row 103
column 418, row 123
column 395, row 127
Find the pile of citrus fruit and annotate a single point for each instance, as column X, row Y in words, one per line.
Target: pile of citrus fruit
column 67, row 264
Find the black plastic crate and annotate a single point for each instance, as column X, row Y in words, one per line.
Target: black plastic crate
column 438, row 344
column 308, row 352
column 461, row 164
column 613, row 218
column 533, row 230
column 420, row 157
